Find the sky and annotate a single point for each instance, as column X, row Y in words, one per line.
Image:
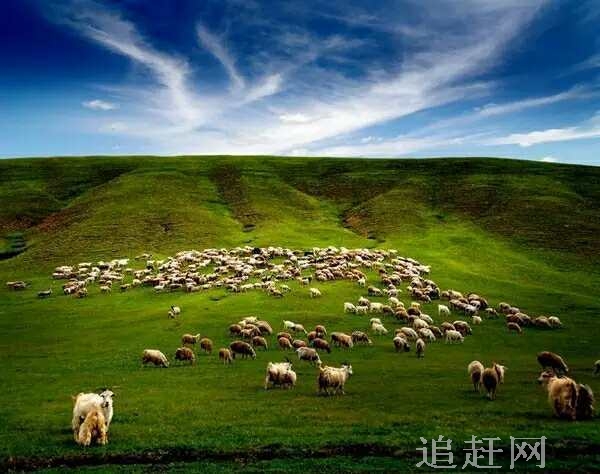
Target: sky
column 401, row 78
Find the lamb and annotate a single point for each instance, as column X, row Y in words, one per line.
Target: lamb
column 514, row 327
column 190, row 339
column 206, row 345
column 321, row 344
column 185, row 353
column 420, row 348
column 308, row 354
column 475, row 371
column 349, row 308
column 562, row 394
column 333, row 378
column 259, row 341
column 315, row 293
column 401, row 344
column 443, row 310
column 379, row 329
column 225, row 355
column 476, row 320
column 86, row 402
column 490, row 378
column 174, row 312
column 554, row 361
column 93, row 428
column 454, row 336
column 242, row 348
column 155, row 357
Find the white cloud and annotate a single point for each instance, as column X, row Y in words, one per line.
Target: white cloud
column 294, row 118
column 98, row 104
column 548, row 159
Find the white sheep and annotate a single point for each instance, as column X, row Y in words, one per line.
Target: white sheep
column 174, row 311
column 349, row 308
column 454, row 336
column 443, row 310
column 476, row 320
column 315, row 293
column 333, row 378
column 155, row 357
column 85, row 402
column 379, row 329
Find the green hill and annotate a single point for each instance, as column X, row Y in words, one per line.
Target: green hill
column 523, row 232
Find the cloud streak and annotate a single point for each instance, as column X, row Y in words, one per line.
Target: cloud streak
column 98, row 104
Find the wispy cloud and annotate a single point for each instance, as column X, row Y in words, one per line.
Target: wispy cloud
column 98, row 104
column 214, row 45
column 549, row 159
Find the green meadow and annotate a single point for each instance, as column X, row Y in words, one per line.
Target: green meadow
column 523, row 232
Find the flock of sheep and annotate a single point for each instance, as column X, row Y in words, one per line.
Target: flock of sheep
column 270, row 269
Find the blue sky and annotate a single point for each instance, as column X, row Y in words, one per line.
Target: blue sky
column 379, row 79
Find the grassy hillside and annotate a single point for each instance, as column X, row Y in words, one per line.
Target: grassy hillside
column 524, row 232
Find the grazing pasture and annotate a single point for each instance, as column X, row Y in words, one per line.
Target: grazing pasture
column 492, row 241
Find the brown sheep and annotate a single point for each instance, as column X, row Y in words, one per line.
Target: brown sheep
column 420, row 348
column 585, row 402
column 235, row 330
column 206, row 345
column 242, row 348
column 321, row 331
column 553, row 361
column 562, row 394
column 312, row 335
column 284, row 343
column 190, row 339
column 259, row 341
column 321, row 344
column 287, row 335
column 225, row 355
column 297, row 343
column 185, row 353
column 490, row 378
column 264, row 328
column 360, row 337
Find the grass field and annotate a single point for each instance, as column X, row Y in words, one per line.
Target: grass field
column 523, row 232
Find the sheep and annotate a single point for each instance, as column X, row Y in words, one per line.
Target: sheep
column 342, row 340
column 315, row 293
column 235, row 330
column 362, row 309
column 360, row 337
column 475, row 371
column 476, row 320
column 394, row 302
column 295, row 327
column 555, row 322
column 321, row 331
column 542, row 322
column 45, row 293
column 287, row 335
column 514, row 327
column 419, row 324
column 426, row 334
column 426, row 318
column 491, row 313
column 185, row 353
column 85, row 402
column 349, row 308
column 321, row 344
column 333, row 378
column 264, row 328
column 362, row 301
column 410, row 333
column 420, row 348
column 225, row 355
column 242, row 348
column 105, row 289
column 190, row 339
column 93, row 428
column 401, row 344
column 361, row 282
column 259, row 341
column 155, row 357
column 454, row 336
column 174, row 312
column 376, row 308
column 296, row 343
column 443, row 310
column 284, row 343
column 372, row 291
column 585, row 402
column 206, row 345
column 373, row 321
column 551, row 360
column 562, row 394
column 490, row 379
column 308, row 354
column 446, row 326
column 379, row 329
column 597, row 367
column 280, row 373
column 462, row 327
